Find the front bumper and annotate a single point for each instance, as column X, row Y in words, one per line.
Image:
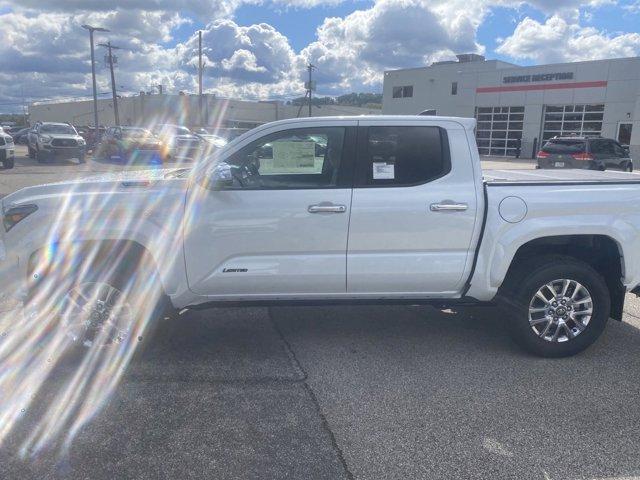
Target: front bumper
column 186, row 153
column 62, row 153
column 7, row 153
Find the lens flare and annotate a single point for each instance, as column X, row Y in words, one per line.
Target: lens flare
column 92, row 294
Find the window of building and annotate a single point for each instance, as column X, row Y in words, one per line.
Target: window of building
column 562, row 120
column 454, row 88
column 624, row 133
column 297, row 158
column 499, row 130
column 401, row 156
column 403, row 92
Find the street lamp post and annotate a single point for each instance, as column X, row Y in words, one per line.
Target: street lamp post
column 93, row 71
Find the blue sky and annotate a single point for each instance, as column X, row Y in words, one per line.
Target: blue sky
column 258, row 49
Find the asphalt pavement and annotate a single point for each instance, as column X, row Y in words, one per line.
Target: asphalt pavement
column 367, row 392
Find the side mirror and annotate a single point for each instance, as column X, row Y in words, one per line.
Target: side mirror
column 221, row 176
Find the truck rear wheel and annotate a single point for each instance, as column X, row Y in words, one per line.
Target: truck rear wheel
column 8, row 163
column 559, row 306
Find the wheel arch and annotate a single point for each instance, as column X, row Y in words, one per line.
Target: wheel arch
column 130, row 253
column 601, row 252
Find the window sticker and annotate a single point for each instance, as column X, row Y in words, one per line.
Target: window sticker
column 294, row 155
column 383, row 171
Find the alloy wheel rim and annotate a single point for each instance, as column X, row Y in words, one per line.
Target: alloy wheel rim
column 560, row 310
column 96, row 313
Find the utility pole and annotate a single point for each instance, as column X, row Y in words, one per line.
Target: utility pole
column 310, row 85
column 110, row 47
column 24, row 106
column 93, row 70
column 200, row 77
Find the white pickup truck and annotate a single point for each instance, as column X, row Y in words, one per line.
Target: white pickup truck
column 386, row 209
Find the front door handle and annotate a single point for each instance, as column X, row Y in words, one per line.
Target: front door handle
column 449, row 207
column 327, row 208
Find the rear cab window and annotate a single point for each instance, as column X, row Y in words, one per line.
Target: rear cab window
column 401, row 155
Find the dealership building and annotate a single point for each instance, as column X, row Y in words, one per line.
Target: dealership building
column 524, row 106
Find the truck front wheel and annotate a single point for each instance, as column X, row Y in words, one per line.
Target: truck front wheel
column 559, row 306
column 98, row 303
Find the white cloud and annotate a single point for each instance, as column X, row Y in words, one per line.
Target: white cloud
column 354, row 51
column 47, row 49
column 556, row 40
column 633, row 7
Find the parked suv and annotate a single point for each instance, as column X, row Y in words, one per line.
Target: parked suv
column 56, row 141
column 7, row 150
column 594, row 153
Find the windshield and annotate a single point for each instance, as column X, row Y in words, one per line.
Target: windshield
column 136, row 132
column 564, row 146
column 174, row 130
column 60, row 129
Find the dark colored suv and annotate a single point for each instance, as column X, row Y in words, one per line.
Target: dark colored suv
column 593, row 153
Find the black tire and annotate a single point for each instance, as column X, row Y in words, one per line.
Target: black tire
column 32, row 152
column 8, row 163
column 521, row 287
column 120, row 266
column 39, row 157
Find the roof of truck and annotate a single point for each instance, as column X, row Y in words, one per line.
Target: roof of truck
column 468, row 123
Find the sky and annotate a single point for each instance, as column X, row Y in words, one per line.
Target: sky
column 258, row 49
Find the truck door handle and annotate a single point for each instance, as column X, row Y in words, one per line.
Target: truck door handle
column 449, row 207
column 327, row 208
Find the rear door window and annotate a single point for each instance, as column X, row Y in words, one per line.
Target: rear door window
column 402, row 155
column 562, row 146
column 602, row 147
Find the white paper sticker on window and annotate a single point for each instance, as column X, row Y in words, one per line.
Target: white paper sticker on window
column 383, row 171
column 293, row 155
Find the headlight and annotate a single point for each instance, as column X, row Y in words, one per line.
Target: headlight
column 15, row 215
column 46, row 138
column 81, row 141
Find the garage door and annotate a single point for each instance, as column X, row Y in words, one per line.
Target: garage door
column 572, row 120
column 499, row 130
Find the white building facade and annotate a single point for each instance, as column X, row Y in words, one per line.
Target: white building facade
column 212, row 112
column 521, row 107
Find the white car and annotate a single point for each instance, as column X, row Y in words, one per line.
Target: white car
column 7, row 150
column 382, row 209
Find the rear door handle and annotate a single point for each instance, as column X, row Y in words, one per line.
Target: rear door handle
column 449, row 207
column 327, row 208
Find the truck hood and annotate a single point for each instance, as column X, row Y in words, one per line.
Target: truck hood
column 117, row 183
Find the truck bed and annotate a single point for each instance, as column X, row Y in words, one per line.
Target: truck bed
column 559, row 176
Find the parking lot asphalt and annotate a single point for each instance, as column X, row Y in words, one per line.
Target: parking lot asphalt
column 367, row 392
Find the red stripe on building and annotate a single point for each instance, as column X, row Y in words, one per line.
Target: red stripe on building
column 544, row 86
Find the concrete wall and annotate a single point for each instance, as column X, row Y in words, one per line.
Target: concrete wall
column 183, row 110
